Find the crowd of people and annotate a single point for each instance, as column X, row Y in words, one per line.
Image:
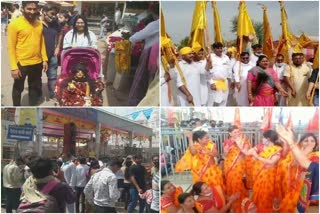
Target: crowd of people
column 81, row 185
column 253, row 79
column 279, row 174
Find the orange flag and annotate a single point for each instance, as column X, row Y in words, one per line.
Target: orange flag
column 268, row 41
column 289, row 124
column 267, row 120
column 237, row 121
column 314, row 122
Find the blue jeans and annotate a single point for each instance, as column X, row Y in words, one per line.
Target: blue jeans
column 134, row 197
column 101, row 33
column 316, row 99
column 52, row 75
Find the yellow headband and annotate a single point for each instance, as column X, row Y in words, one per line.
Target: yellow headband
column 185, row 50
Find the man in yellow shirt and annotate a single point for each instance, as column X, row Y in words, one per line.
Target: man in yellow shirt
column 27, row 53
column 296, row 77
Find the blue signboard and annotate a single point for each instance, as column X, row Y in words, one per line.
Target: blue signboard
column 24, row 133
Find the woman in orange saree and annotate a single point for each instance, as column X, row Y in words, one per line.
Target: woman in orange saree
column 235, row 149
column 199, row 158
column 267, row 156
column 290, row 176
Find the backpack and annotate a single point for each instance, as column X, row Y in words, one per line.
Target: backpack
column 49, row 205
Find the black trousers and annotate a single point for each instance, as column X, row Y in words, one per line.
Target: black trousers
column 34, row 73
column 79, row 192
column 13, row 199
column 99, row 209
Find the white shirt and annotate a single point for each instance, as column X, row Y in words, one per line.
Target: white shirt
column 242, row 95
column 150, row 35
column 119, row 174
column 191, row 73
column 102, row 189
column 12, row 175
column 78, row 178
column 68, row 169
column 81, row 40
column 280, row 69
column 203, row 83
column 221, row 71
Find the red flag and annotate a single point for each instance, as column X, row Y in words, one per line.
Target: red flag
column 237, row 121
column 314, row 122
column 289, row 124
column 267, row 119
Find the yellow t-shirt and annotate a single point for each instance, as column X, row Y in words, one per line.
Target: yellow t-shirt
column 25, row 43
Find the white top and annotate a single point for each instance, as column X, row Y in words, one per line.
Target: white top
column 102, row 189
column 12, row 176
column 203, row 83
column 81, row 40
column 68, row 169
column 119, row 174
column 78, row 178
column 150, row 35
column 191, row 73
column 252, row 58
column 279, row 69
column 242, row 95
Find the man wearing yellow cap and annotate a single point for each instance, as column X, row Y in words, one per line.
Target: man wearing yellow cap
column 188, row 84
column 296, row 77
column 218, row 78
column 199, row 59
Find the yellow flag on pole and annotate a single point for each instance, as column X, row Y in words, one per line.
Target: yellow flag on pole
column 268, row 41
column 245, row 26
column 217, row 28
column 163, row 27
column 199, row 23
column 303, row 41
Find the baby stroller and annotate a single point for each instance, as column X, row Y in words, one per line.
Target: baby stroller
column 72, row 90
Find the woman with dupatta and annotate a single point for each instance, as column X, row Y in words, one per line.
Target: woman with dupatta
column 291, row 176
column 235, row 149
column 199, row 157
column 267, row 154
column 263, row 82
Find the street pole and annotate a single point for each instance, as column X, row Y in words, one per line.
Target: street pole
column 39, row 130
column 98, row 140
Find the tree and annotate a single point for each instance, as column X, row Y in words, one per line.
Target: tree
column 258, row 27
column 183, row 42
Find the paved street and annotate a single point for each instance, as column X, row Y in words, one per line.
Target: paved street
column 111, row 97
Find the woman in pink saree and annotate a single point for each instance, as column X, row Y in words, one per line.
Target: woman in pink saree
column 263, row 83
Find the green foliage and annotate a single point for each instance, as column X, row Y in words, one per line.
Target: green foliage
column 184, row 42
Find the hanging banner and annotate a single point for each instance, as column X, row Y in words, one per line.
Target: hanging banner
column 147, row 113
column 24, row 133
column 55, row 119
column 135, row 115
column 80, row 113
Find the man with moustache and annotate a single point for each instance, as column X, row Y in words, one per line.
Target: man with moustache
column 240, row 72
column 52, row 37
column 296, row 77
column 279, row 67
column 27, row 53
column 218, row 78
column 189, row 91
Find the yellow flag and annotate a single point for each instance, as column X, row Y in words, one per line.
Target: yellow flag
column 163, row 27
column 245, row 26
column 316, row 59
column 287, row 37
column 199, row 23
column 217, row 28
column 268, row 41
column 303, row 41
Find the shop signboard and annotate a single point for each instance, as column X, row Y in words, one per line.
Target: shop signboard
column 24, row 133
column 80, row 113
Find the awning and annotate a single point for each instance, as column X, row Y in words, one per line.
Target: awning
column 60, row 3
